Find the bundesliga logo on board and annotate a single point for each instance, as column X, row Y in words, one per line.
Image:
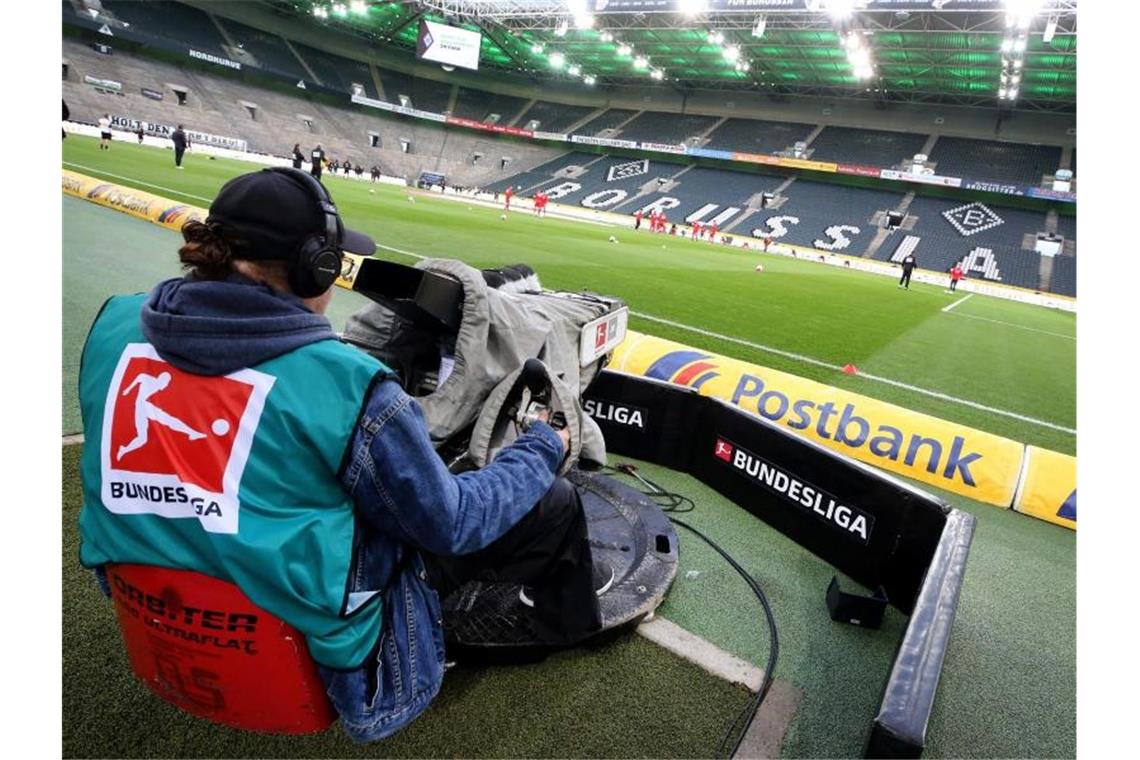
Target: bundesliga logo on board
column 176, row 444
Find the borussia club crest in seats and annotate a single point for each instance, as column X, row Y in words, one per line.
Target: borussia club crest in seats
column 627, row 170
column 972, row 219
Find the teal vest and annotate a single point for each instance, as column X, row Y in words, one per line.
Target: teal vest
column 235, row 477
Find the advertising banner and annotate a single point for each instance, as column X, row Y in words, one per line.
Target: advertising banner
column 1048, row 489
column 711, row 153
column 501, row 129
column 858, row 170
column 664, row 147
column 559, row 136
column 152, row 208
column 105, row 85
column 152, row 94
column 448, row 45
column 756, row 158
column 993, row 187
column 603, row 141
column 384, row 105
column 1052, row 195
column 803, row 163
column 923, row 179
column 980, row 465
column 165, row 130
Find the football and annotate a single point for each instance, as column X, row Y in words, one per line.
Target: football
column 759, row 267
column 503, row 217
column 613, row 239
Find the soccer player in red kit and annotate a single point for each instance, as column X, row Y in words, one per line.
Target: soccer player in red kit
column 637, row 220
column 696, row 229
column 510, row 191
column 712, row 232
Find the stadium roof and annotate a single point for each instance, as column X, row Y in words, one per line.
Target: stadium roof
column 998, row 53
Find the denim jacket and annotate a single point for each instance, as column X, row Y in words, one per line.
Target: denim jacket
column 407, row 501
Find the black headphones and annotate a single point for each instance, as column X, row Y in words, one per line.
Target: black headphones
column 315, row 265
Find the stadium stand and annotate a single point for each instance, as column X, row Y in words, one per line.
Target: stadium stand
column 606, row 120
column 171, row 21
column 989, row 238
column 839, row 218
column 214, row 105
column 1064, row 276
column 608, row 183
column 996, row 161
column 757, row 136
column 710, row 194
column 336, row 72
column 396, row 83
column 269, row 49
column 429, row 95
column 576, row 158
column 479, row 105
column 871, row 147
column 1067, row 227
column 555, row 117
column 667, row 128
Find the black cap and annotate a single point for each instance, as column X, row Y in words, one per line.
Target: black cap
column 272, row 212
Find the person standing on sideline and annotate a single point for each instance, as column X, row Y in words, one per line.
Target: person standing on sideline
column 66, row 116
column 105, row 132
column 180, row 142
column 637, row 220
column 318, row 159
column 298, row 156
column 956, row 274
column 908, row 265
column 140, row 134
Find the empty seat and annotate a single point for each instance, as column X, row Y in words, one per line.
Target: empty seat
column 555, row 117
column 666, row 128
column 1016, row 163
column 872, row 147
column 757, row 136
column 606, row 120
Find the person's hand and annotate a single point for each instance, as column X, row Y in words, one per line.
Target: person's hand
column 564, row 436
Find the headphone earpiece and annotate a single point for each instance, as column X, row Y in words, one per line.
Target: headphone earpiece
column 315, row 265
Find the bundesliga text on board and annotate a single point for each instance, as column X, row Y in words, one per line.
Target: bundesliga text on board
column 795, row 490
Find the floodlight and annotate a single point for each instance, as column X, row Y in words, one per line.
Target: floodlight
column 761, row 25
column 1006, row 45
column 859, row 57
column 692, row 8
column 606, row 37
column 743, row 66
column 731, row 53
column 864, row 71
column 584, row 20
column 657, row 74
column 557, row 60
column 1016, row 79
column 640, row 62
column 562, row 28
column 1019, row 45
column 1050, row 30
column 358, row 7
column 716, row 37
column 624, row 49
column 574, row 70
column 840, row 9
column 1013, row 93
column 1001, row 92
column 1017, row 64
column 340, row 9
column 537, row 48
column 589, row 79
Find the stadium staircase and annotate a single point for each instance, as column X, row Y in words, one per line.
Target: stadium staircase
column 812, row 135
column 375, row 74
column 518, row 117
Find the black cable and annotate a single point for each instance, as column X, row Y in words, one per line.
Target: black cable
column 677, row 503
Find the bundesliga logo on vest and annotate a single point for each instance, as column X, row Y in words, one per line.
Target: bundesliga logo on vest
column 176, row 444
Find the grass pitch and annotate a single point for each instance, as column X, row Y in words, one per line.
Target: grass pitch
column 1000, row 354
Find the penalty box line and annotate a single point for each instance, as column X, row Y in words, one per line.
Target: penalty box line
column 819, row 363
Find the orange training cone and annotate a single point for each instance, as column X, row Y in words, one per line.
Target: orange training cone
column 850, row 369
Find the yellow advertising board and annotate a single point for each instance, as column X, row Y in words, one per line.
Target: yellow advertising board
column 1048, row 489
column 980, row 465
column 153, row 208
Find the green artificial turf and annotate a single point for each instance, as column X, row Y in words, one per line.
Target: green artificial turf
column 628, row 698
column 1026, row 366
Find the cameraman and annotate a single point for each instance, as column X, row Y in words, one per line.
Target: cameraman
column 351, row 528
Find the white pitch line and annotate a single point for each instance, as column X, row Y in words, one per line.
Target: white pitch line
column 1019, row 327
column 756, row 346
column 960, row 300
column 864, row 375
column 73, row 439
column 139, row 182
column 706, row 655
